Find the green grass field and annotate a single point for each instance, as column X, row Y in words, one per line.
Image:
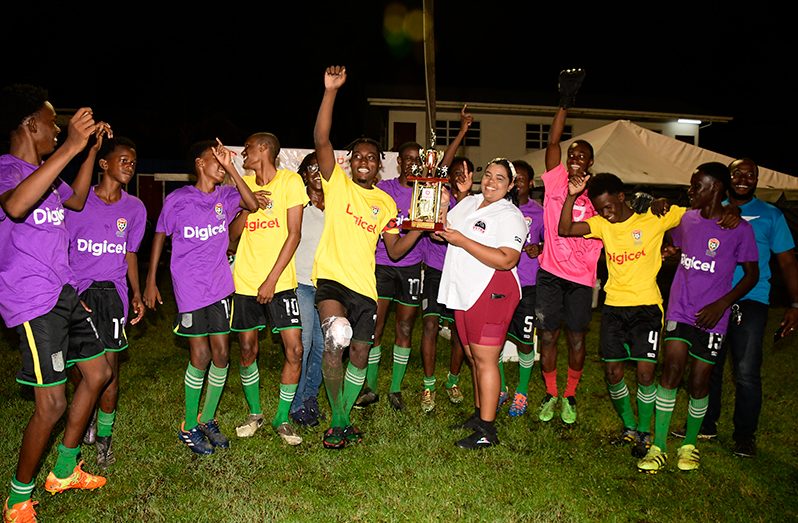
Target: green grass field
column 407, row 468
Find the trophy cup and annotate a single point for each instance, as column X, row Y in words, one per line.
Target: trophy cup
column 428, row 180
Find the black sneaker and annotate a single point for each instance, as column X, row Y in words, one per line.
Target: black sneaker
column 366, row 398
column 105, row 453
column 214, row 435
column 90, row 436
column 195, row 440
column 311, row 404
column 479, row 439
column 642, row 444
column 471, row 423
column 745, row 448
column 304, row 418
column 395, row 399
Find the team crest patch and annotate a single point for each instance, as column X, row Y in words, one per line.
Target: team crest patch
column 121, row 227
column 479, row 225
column 58, row 361
column 670, row 326
column 637, row 235
column 187, row 320
column 374, row 211
column 712, row 246
column 219, row 210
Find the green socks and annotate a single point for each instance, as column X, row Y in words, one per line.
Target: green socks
column 646, row 397
column 375, row 353
column 216, row 380
column 619, row 394
column 451, row 380
column 105, row 423
column 20, row 491
column 429, row 383
column 666, row 400
column 400, row 357
column 353, row 383
column 193, row 384
column 287, row 392
column 696, row 409
column 250, row 382
column 525, row 364
column 67, row 461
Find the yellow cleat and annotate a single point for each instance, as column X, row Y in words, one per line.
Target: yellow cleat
column 654, row 461
column 688, row 458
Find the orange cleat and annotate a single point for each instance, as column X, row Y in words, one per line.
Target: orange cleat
column 78, row 479
column 20, row 513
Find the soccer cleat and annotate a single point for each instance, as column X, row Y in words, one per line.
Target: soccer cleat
column 352, row 434
column 366, row 398
column 547, row 406
column 518, row 407
column 703, row 433
column 22, row 512
column 627, row 436
column 568, row 413
column 504, row 395
column 334, row 438
column 288, row 434
column 311, row 404
column 471, row 423
column 745, row 448
column 396, row 401
column 479, row 439
column 79, row 479
column 195, row 440
column 642, row 444
column 214, row 435
column 90, row 436
column 250, row 427
column 427, row 400
column 688, row 458
column 653, row 461
column 455, row 394
column 105, row 452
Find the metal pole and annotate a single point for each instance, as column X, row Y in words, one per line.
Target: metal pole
column 429, row 69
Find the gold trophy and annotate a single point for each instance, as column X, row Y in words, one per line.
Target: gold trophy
column 428, row 180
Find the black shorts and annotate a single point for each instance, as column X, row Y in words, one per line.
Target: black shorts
column 630, row 333
column 211, row 320
column 54, row 341
column 399, row 284
column 108, row 313
column 702, row 345
column 361, row 311
column 281, row 313
column 430, row 283
column 561, row 300
column 522, row 326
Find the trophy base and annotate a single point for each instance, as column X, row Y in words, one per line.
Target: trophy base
column 415, row 225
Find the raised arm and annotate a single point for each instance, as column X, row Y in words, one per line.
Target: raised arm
column 567, row 226
column 334, row 78
column 569, row 82
column 451, row 150
column 17, row 202
column 225, row 157
column 82, row 183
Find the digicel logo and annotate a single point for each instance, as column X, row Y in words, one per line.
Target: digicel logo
column 693, row 263
column 624, row 257
column 360, row 222
column 98, row 249
column 54, row 216
column 203, row 233
column 255, row 224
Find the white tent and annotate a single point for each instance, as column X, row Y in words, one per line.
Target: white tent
column 639, row 156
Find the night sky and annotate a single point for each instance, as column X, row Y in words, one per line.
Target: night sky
column 166, row 79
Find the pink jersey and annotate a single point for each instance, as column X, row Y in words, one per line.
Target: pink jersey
column 571, row 258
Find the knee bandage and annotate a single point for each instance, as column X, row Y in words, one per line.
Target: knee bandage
column 337, row 333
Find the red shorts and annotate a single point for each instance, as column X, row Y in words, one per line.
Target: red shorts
column 486, row 322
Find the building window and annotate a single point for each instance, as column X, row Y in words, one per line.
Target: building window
column 446, row 131
column 686, row 138
column 537, row 135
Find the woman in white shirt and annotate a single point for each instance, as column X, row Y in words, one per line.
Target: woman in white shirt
column 485, row 233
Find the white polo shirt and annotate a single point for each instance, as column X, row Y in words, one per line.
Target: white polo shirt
column 499, row 224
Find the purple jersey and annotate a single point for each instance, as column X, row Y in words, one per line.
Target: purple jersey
column 198, row 224
column 34, row 264
column 402, row 196
column 528, row 267
column 99, row 238
column 709, row 256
